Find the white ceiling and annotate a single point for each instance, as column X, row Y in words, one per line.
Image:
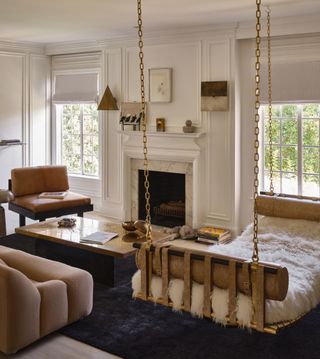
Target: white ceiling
column 48, row 21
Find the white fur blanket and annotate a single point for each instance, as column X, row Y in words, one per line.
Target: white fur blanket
column 294, row 244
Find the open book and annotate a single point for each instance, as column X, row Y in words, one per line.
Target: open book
column 98, row 237
column 54, row 195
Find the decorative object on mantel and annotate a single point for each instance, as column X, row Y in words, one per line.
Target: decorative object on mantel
column 188, row 128
column 161, row 124
column 160, row 85
column 130, row 115
column 108, row 102
column 214, row 96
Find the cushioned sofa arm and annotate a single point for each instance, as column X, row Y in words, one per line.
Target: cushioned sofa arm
column 79, row 282
column 19, row 310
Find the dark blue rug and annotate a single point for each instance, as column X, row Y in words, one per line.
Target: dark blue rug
column 135, row 329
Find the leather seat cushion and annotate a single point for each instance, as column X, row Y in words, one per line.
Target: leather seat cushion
column 38, row 205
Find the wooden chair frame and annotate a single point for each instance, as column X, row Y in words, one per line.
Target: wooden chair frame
column 42, row 216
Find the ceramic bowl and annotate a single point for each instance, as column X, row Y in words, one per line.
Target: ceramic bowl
column 128, row 226
column 141, row 226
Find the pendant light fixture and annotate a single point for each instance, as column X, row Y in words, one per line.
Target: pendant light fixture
column 108, row 102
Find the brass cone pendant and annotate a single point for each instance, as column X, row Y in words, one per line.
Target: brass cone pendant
column 108, row 102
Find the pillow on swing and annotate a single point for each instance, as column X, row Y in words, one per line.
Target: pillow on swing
column 285, row 207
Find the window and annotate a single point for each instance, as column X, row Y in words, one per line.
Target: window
column 79, row 138
column 296, row 149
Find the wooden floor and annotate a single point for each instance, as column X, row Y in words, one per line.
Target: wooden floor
column 55, row 346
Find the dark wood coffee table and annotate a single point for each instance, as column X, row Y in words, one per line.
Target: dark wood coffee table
column 108, row 263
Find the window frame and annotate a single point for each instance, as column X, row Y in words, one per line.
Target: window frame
column 300, row 147
column 58, row 112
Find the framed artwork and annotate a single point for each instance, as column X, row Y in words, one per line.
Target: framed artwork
column 160, row 85
column 214, row 96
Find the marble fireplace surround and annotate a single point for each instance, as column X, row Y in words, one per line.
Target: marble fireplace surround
column 162, row 166
column 167, row 152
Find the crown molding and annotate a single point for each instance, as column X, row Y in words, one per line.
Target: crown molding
column 65, row 48
column 17, row 46
column 154, row 38
column 284, row 26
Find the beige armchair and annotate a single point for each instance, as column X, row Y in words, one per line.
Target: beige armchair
column 37, row 297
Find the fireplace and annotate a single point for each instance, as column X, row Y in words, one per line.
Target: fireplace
column 173, row 167
column 167, row 198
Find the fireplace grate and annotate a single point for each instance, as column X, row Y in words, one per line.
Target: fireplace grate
column 170, row 209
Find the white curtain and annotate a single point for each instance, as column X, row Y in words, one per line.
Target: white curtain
column 292, row 82
column 75, row 88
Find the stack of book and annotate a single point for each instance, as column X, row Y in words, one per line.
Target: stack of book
column 213, row 235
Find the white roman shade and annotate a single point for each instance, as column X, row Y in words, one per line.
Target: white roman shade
column 75, row 88
column 292, row 82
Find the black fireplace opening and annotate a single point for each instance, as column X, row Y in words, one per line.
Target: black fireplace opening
column 167, row 198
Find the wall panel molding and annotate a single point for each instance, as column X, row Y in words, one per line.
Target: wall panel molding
column 39, row 113
column 219, row 159
column 111, row 150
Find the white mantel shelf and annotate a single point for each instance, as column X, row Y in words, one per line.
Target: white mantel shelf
column 163, row 134
column 163, row 144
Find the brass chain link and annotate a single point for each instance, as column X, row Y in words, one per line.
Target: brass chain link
column 144, row 127
column 255, row 255
column 270, row 104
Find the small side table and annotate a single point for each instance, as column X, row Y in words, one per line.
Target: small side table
column 5, row 196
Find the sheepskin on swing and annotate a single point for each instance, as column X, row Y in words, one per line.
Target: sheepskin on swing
column 219, row 284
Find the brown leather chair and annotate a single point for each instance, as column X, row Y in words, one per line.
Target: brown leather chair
column 27, row 183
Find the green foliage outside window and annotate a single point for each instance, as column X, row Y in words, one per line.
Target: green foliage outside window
column 287, row 121
column 80, row 139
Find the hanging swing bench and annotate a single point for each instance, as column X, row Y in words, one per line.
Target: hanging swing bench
column 252, row 284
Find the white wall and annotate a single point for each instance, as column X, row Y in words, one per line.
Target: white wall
column 39, row 143
column 24, row 74
column 12, row 114
column 227, row 161
column 227, row 151
column 193, row 58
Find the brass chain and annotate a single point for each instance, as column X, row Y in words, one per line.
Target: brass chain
column 144, row 127
column 255, row 255
column 270, row 103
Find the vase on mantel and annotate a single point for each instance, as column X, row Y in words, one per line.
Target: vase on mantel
column 188, row 128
